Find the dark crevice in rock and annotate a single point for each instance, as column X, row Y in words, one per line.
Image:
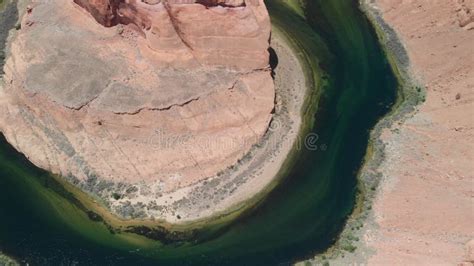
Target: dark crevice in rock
column 105, row 14
column 222, row 3
column 197, row 98
column 165, row 108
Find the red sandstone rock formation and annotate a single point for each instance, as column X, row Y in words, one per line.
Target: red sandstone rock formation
column 167, row 93
column 215, row 32
column 112, row 12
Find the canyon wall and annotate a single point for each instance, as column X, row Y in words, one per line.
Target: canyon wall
column 424, row 210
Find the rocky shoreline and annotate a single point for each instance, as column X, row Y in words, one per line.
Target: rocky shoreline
column 435, row 188
column 7, row 261
column 375, row 233
column 350, row 247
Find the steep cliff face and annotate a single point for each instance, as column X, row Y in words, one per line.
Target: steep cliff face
column 163, row 93
column 104, row 11
column 231, row 33
column 112, row 12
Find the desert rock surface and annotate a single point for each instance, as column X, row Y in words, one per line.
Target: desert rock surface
column 424, row 210
column 164, row 94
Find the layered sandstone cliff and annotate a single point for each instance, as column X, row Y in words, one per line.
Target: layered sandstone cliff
column 160, row 93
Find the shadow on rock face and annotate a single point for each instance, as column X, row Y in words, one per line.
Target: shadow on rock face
column 273, row 60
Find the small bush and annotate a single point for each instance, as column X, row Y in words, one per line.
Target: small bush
column 116, row 196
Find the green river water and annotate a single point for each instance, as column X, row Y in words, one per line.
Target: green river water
column 352, row 87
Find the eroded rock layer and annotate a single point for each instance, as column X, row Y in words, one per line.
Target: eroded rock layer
column 157, row 92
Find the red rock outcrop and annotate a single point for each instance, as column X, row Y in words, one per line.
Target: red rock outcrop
column 112, row 12
column 216, row 32
column 167, row 93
